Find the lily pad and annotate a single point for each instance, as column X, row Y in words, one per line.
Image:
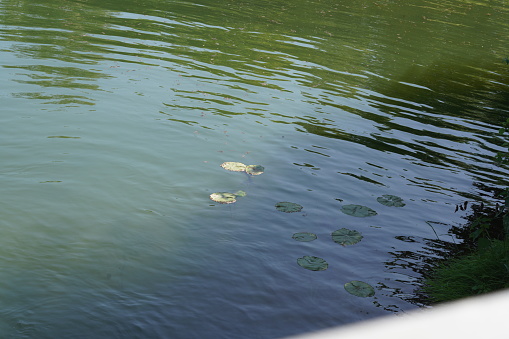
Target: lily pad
column 234, row 166
column 240, row 193
column 360, row 289
column 312, row 263
column 223, row 197
column 254, row 169
column 304, row 236
column 226, row 197
column 358, row 211
column 346, row 237
column 288, row 207
column 390, row 200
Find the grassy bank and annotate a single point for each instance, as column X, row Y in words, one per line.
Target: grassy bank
column 477, row 265
column 480, row 272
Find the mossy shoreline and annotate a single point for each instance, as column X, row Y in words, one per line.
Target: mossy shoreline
column 477, row 265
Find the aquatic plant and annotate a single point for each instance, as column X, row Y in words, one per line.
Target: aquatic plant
column 288, row 207
column 240, row 193
column 346, row 237
column 226, row 197
column 240, row 167
column 390, row 200
column 359, row 289
column 223, row 197
column 358, row 211
column 304, row 236
column 234, row 166
column 254, row 169
column 63, row 137
column 312, row 263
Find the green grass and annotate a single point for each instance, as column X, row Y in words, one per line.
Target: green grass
column 480, row 272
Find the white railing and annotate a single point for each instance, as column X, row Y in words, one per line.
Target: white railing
column 478, row 317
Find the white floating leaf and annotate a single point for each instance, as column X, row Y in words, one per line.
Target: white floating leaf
column 233, row 166
column 223, row 197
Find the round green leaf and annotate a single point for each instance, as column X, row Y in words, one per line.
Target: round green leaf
column 223, row 197
column 288, row 207
column 358, row 211
column 233, row 166
column 360, row 289
column 240, row 193
column 304, row 236
column 255, row 169
column 312, row 263
column 390, row 200
column 346, row 237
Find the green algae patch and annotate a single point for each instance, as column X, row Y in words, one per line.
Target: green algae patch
column 255, row 169
column 234, row 166
column 304, row 236
column 346, row 237
column 359, row 289
column 391, row 200
column 358, row 211
column 288, row 207
column 312, row 263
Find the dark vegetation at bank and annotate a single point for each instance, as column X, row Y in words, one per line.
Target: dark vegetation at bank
column 479, row 262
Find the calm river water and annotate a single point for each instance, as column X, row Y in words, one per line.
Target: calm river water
column 115, row 118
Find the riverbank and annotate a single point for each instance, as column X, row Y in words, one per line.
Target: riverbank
column 478, row 264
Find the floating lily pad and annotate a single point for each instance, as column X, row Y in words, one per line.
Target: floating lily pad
column 288, row 207
column 390, row 200
column 304, row 236
column 358, row 211
column 226, row 197
column 346, row 237
column 63, row 137
column 360, row 289
column 233, row 166
column 312, row 263
column 254, row 169
column 223, row 197
column 240, row 193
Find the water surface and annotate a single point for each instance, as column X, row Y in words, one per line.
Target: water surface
column 115, row 117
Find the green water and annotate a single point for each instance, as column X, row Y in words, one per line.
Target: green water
column 115, row 118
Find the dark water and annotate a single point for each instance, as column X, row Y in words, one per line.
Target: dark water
column 115, row 117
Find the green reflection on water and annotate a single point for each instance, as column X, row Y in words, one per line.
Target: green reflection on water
column 332, row 46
